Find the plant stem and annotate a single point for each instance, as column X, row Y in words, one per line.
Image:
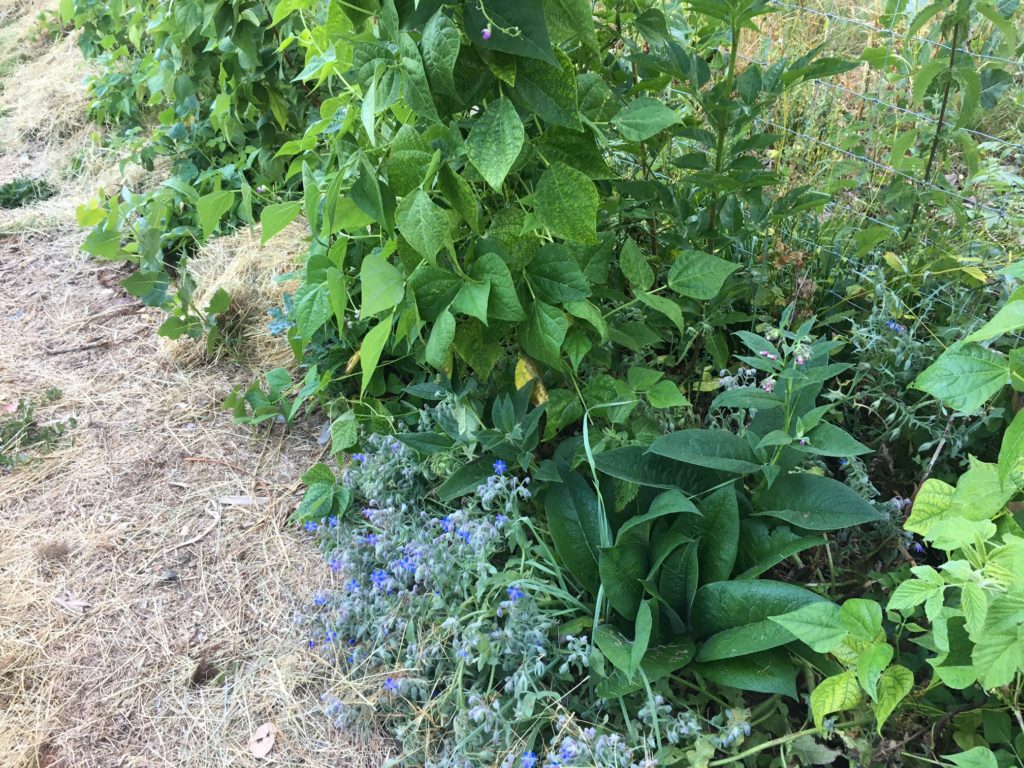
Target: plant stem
column 938, row 130
column 723, row 129
column 773, row 743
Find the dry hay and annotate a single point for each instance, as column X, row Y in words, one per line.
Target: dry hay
column 122, row 643
column 255, row 276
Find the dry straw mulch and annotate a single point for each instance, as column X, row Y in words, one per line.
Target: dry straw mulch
column 148, row 583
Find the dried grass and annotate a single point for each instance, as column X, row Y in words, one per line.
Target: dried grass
column 256, row 277
column 121, row 644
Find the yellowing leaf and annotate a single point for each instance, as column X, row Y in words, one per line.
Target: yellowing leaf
column 894, row 261
column 526, row 372
column 931, row 503
column 835, row 694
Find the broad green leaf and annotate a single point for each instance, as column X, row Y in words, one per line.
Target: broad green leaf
column 543, row 332
column 644, row 117
column 312, row 309
column 417, row 87
column 567, row 19
column 574, row 520
column 276, row 217
column 666, row 394
column 150, row 286
column 504, row 300
column 495, row 140
column 870, row 665
column 767, row 672
column 976, row 757
column 634, row 267
column 1008, row 319
column 642, row 636
column 371, row 349
column 442, row 334
column 665, row 306
column 423, row 224
column 344, row 433
column 699, row 275
column 998, row 657
column 1012, row 449
column 816, row 625
column 623, row 568
column 834, row 694
column 566, row 202
column 459, row 194
column 658, row 662
column 472, row 300
column 210, row 209
column 724, row 605
column 383, row 285
column 893, row 686
column 549, row 91
column 556, row 276
column 719, row 534
column 516, row 27
column 614, row 645
column 814, row 503
column 979, row 493
column 712, row 448
column 914, row 592
column 434, row 289
column 863, row 619
column 965, row 376
column 829, row 440
column 440, row 44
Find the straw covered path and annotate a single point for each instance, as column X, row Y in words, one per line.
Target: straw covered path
column 148, row 582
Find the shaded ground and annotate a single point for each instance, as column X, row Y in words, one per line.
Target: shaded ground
column 147, row 582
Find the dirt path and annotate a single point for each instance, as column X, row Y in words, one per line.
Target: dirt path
column 147, row 584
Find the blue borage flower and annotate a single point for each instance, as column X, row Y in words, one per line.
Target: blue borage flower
column 515, row 594
column 528, row 760
column 311, row 527
column 896, row 327
column 379, row 578
column 391, row 685
column 500, row 467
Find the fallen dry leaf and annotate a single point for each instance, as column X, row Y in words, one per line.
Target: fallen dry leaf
column 262, row 740
column 243, row 501
column 72, row 604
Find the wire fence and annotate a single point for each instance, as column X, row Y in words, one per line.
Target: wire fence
column 882, row 106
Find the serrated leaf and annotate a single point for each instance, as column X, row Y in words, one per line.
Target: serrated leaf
column 965, row 376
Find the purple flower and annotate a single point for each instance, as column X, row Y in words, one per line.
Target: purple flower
column 406, row 563
column 379, row 578
column 446, row 523
column 485, row 33
column 515, row 594
column 311, row 644
column 332, row 521
column 465, row 534
column 391, row 685
column 334, row 563
column 894, row 326
column 320, row 601
column 360, row 457
column 500, row 467
column 371, row 539
column 528, row 760
column 917, row 548
column 330, row 637
column 352, row 585
column 311, row 526
column 500, row 520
